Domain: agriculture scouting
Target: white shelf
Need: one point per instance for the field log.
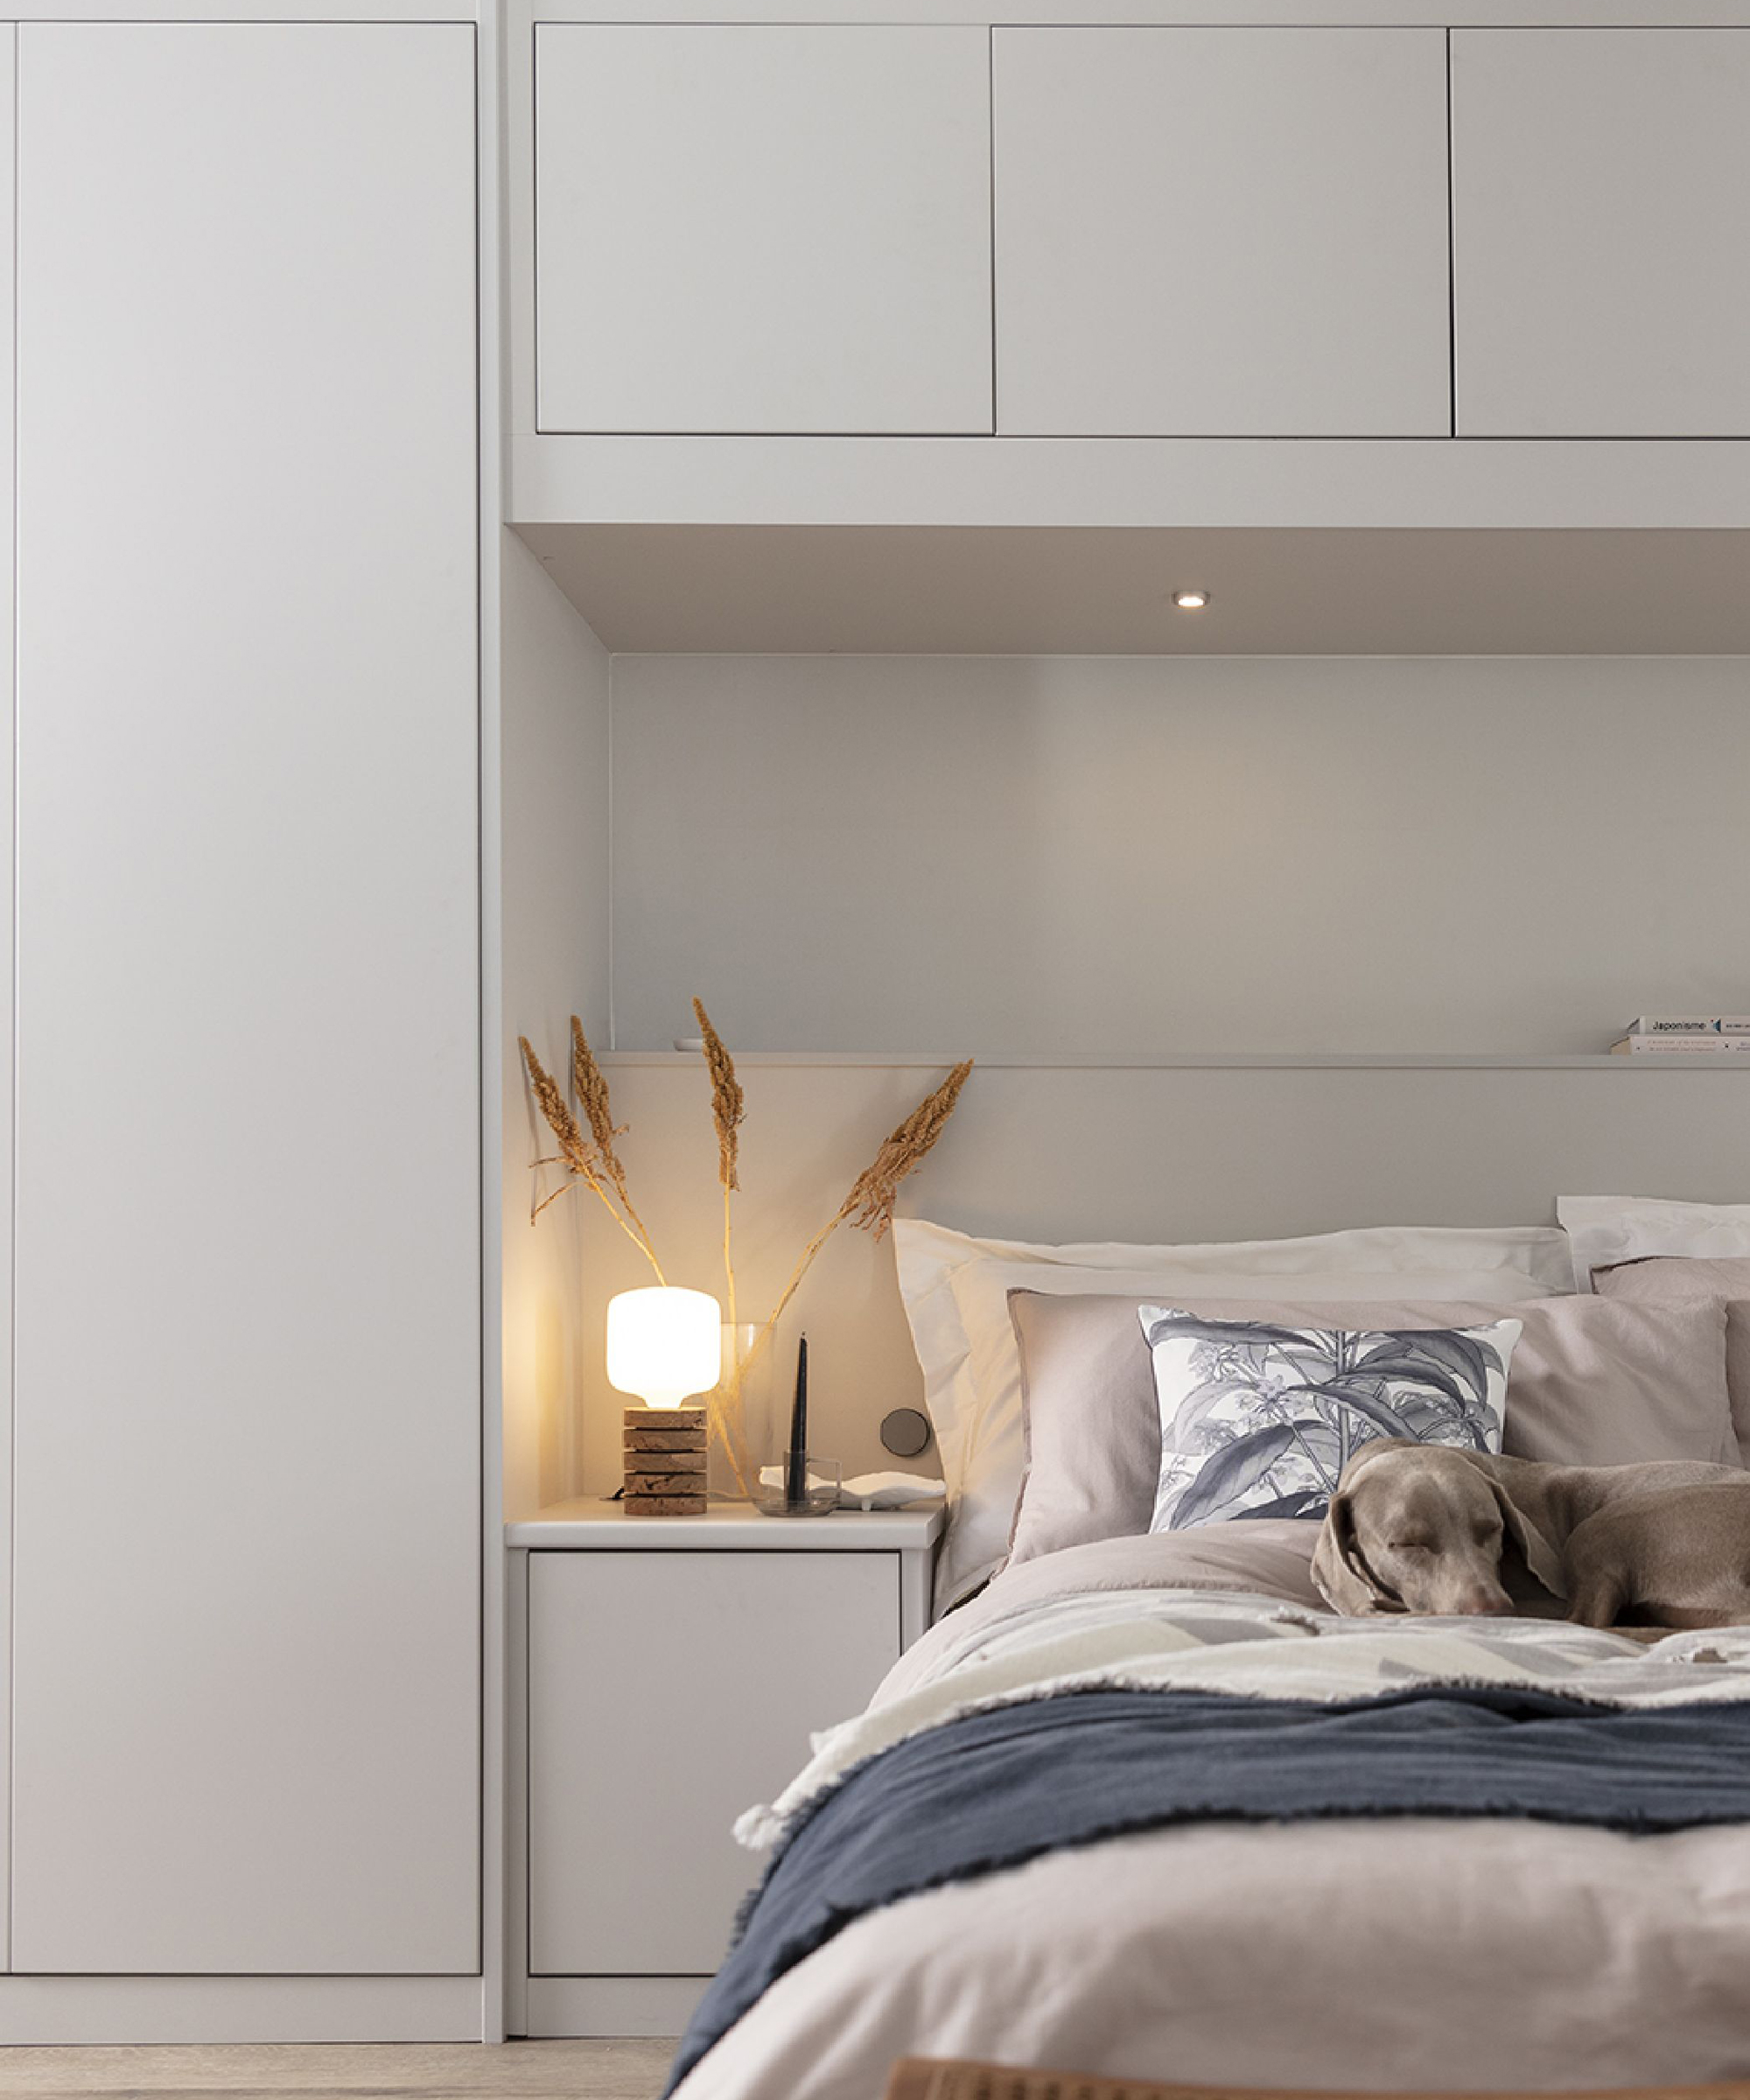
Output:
(1199, 1061)
(588, 1521)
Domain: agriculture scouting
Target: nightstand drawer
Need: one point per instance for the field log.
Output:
(667, 1693)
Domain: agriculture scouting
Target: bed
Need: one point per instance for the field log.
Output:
(1385, 1951)
(1144, 1804)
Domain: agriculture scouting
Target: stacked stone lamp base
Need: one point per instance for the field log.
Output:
(665, 1462)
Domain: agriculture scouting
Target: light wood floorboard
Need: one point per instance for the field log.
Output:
(520, 2070)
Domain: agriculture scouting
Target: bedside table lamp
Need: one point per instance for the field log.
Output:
(664, 1345)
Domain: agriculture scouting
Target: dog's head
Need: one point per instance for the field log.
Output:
(1423, 1528)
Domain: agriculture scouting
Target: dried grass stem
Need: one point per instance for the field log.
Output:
(728, 1109)
(727, 1105)
(870, 1205)
(591, 1160)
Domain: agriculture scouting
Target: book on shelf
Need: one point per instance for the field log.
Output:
(1700, 1043)
(1689, 1023)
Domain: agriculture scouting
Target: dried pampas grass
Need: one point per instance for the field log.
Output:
(869, 1207)
(591, 1086)
(727, 1109)
(728, 1415)
(593, 1160)
(589, 1152)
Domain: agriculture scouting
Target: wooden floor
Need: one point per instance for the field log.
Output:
(521, 2071)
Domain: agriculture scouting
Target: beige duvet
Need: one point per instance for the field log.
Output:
(1401, 1953)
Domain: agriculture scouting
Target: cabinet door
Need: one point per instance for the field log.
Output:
(1601, 261)
(248, 1344)
(8, 641)
(667, 1693)
(1221, 232)
(747, 228)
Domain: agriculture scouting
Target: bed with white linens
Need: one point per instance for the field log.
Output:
(1140, 1803)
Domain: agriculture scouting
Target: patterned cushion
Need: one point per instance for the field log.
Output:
(1258, 1420)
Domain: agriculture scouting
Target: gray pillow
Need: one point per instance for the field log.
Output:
(1680, 1279)
(1594, 1381)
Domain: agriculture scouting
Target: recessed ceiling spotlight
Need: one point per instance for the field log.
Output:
(1190, 601)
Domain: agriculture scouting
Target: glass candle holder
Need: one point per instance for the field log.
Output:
(820, 1478)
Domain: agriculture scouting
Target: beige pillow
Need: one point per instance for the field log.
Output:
(1674, 1279)
(1593, 1382)
(956, 1295)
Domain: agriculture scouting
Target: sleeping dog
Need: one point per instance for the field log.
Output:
(1426, 1528)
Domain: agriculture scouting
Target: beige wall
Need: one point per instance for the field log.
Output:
(1014, 856)
(1146, 1154)
(1052, 855)
(554, 756)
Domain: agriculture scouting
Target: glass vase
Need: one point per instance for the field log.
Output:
(745, 1406)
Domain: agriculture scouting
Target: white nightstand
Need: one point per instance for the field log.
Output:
(665, 1673)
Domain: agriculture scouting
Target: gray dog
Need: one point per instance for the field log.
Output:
(1426, 1528)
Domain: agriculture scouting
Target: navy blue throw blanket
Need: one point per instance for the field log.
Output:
(995, 1789)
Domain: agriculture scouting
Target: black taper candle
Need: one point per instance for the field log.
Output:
(796, 1460)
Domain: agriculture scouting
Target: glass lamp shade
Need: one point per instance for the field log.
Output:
(663, 1344)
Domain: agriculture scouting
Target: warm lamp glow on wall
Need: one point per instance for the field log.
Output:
(663, 1344)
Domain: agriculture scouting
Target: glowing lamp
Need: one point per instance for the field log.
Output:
(663, 1344)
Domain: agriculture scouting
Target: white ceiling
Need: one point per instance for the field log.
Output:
(1088, 591)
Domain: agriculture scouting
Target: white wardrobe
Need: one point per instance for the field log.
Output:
(290, 754)
(246, 1610)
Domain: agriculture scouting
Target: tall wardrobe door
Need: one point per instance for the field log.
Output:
(9, 48)
(248, 1349)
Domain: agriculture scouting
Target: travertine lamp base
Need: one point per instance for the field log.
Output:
(665, 1462)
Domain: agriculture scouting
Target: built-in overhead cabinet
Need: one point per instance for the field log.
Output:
(1221, 232)
(1092, 232)
(1602, 270)
(759, 229)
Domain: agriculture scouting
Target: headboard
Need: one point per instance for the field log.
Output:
(1174, 1150)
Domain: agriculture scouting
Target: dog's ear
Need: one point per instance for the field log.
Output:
(1341, 1573)
(1543, 1559)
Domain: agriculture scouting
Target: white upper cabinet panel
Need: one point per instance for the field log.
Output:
(248, 1343)
(1221, 233)
(746, 228)
(1600, 202)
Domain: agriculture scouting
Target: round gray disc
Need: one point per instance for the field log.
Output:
(905, 1433)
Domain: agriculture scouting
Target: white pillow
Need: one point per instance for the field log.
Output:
(957, 1294)
(1604, 1230)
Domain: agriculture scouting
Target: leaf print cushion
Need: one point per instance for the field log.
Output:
(1258, 1420)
